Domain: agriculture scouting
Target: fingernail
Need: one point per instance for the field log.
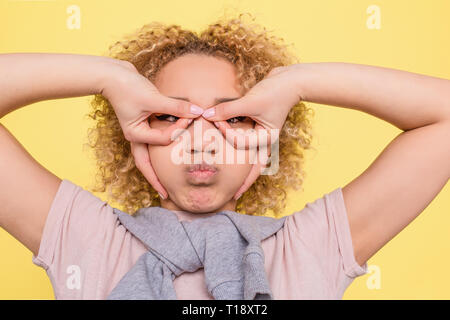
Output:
(161, 196)
(196, 109)
(209, 113)
(190, 121)
(238, 197)
(216, 124)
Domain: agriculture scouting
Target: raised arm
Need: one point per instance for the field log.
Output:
(413, 168)
(27, 189)
(405, 177)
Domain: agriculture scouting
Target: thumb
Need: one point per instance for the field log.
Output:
(226, 110)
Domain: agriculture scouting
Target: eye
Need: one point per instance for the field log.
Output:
(167, 117)
(237, 119)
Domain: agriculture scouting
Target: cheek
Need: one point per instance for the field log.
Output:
(237, 156)
(237, 171)
(242, 171)
(233, 176)
(164, 168)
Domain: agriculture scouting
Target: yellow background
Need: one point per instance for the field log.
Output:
(414, 36)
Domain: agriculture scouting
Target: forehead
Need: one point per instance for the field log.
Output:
(195, 73)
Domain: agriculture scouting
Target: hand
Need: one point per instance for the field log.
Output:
(267, 103)
(134, 98)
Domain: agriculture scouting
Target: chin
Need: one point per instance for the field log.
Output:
(201, 201)
(203, 207)
(201, 210)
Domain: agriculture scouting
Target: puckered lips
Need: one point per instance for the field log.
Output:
(201, 172)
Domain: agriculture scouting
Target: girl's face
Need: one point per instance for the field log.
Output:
(204, 81)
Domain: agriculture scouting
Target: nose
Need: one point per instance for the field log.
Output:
(204, 136)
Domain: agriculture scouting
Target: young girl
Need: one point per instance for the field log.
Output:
(231, 76)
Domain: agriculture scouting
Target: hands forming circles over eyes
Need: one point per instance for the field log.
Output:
(134, 99)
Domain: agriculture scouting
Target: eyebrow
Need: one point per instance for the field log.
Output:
(216, 101)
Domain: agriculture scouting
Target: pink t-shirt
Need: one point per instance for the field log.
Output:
(86, 251)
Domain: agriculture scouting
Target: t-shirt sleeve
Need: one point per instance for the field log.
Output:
(83, 248)
(75, 216)
(323, 227)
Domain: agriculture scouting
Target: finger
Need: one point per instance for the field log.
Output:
(226, 110)
(263, 156)
(265, 136)
(174, 131)
(175, 107)
(244, 139)
(254, 173)
(145, 134)
(143, 163)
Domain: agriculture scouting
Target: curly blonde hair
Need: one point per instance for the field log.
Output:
(254, 53)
